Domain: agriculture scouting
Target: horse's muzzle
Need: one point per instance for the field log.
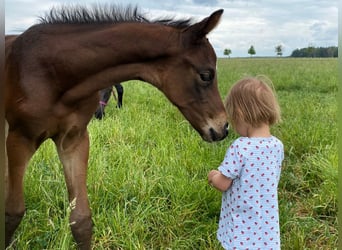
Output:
(217, 136)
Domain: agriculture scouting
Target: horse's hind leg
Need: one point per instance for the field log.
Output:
(120, 90)
(73, 150)
(19, 152)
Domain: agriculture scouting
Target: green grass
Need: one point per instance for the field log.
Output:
(147, 168)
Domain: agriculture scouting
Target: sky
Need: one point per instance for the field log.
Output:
(264, 24)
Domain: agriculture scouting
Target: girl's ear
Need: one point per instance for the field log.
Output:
(199, 30)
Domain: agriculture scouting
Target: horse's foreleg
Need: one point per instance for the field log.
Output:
(73, 150)
(19, 151)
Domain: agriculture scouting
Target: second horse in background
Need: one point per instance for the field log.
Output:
(104, 98)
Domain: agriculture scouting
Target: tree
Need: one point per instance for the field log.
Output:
(227, 52)
(251, 51)
(279, 50)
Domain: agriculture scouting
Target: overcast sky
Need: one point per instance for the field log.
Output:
(261, 23)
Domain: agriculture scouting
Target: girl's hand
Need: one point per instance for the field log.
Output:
(217, 180)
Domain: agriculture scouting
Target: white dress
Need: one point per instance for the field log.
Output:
(249, 216)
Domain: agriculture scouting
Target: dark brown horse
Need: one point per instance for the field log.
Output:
(55, 69)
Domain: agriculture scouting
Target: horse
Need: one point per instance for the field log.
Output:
(55, 69)
(105, 94)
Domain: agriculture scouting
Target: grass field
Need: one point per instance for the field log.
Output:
(148, 168)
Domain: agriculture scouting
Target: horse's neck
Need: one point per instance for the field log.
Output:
(137, 42)
(116, 45)
(115, 54)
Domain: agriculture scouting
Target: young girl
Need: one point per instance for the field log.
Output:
(249, 174)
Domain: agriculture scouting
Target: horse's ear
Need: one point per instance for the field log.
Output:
(199, 30)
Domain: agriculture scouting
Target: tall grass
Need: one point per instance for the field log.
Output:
(147, 168)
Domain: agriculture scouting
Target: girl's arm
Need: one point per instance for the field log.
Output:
(219, 181)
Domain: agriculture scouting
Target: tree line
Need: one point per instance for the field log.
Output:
(310, 51)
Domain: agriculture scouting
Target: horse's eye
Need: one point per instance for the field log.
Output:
(207, 76)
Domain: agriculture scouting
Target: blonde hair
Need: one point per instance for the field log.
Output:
(253, 101)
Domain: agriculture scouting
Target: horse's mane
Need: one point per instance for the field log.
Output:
(104, 14)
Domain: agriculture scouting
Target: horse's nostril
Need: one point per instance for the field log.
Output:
(212, 134)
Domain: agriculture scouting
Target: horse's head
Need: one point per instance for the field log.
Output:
(190, 82)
